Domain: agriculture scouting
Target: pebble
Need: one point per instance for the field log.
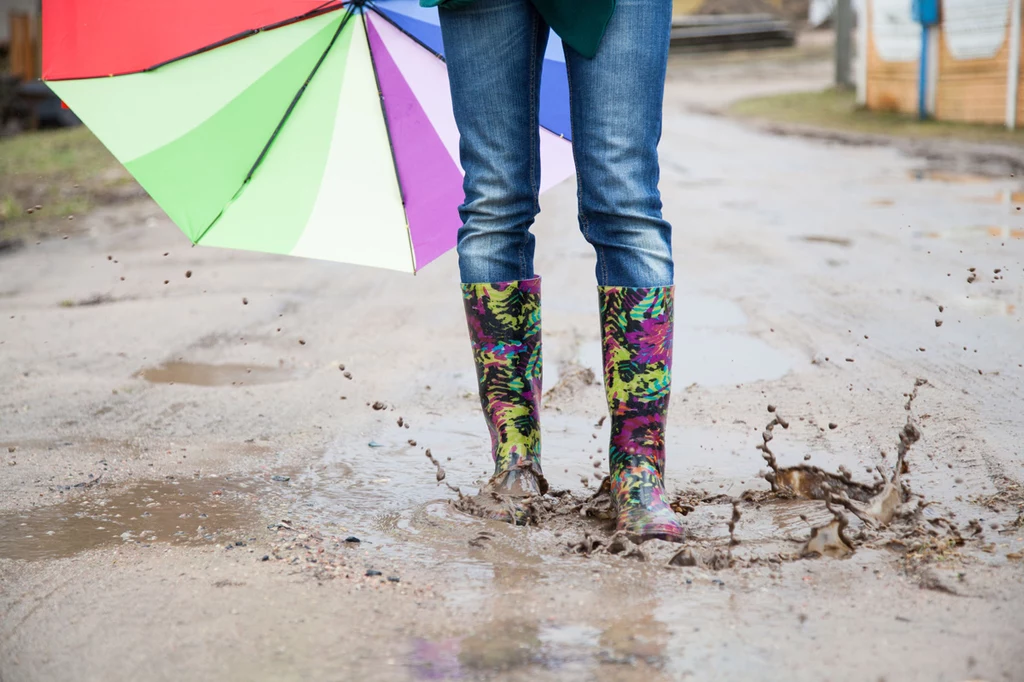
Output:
(280, 478)
(371, 573)
(188, 273)
(265, 557)
(833, 425)
(352, 539)
(938, 323)
(245, 301)
(393, 579)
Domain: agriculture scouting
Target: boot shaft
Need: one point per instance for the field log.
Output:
(505, 331)
(636, 332)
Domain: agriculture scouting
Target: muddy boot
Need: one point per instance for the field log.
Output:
(504, 327)
(636, 329)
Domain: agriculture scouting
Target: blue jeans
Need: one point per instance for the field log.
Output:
(494, 50)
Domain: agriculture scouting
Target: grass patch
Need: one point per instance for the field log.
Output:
(837, 110)
(46, 176)
(74, 152)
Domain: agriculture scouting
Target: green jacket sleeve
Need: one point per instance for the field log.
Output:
(448, 4)
(580, 27)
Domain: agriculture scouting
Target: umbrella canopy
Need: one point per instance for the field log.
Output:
(283, 126)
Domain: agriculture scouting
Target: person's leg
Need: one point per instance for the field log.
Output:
(616, 100)
(494, 50)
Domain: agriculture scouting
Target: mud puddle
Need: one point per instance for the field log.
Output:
(531, 648)
(188, 511)
(395, 498)
(948, 177)
(200, 374)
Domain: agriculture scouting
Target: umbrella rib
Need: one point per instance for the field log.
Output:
(284, 119)
(391, 144)
(426, 47)
(319, 9)
(391, 21)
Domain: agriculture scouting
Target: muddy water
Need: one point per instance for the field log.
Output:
(190, 511)
(199, 374)
(529, 648)
(972, 232)
(540, 611)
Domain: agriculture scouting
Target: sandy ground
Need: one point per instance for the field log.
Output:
(238, 463)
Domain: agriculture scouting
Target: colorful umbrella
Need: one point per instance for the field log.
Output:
(296, 127)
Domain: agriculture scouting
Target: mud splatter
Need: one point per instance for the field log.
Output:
(619, 544)
(440, 469)
(830, 539)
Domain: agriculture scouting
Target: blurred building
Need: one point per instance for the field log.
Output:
(699, 25)
(968, 66)
(19, 38)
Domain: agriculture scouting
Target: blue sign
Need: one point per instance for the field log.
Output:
(925, 12)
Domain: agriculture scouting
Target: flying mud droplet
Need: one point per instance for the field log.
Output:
(938, 323)
(188, 274)
(733, 520)
(245, 301)
(440, 469)
(379, 406)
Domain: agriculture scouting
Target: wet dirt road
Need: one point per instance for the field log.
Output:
(225, 475)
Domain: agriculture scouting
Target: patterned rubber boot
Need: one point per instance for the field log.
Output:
(636, 329)
(504, 328)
